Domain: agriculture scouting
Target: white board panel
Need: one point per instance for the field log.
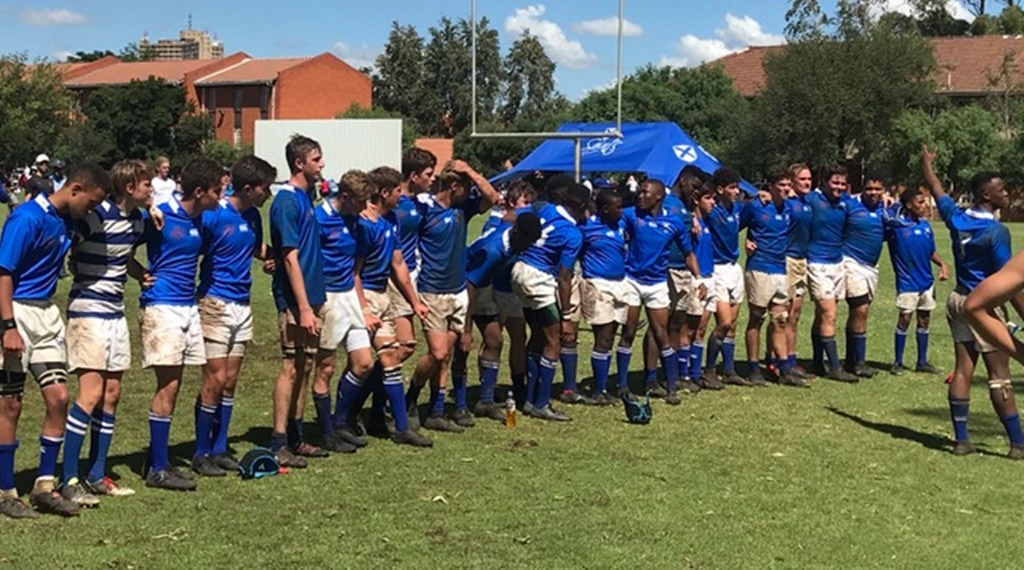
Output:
(346, 143)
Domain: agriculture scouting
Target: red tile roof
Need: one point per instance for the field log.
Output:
(252, 71)
(124, 72)
(964, 64)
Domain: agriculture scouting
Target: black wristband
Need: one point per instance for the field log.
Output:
(9, 324)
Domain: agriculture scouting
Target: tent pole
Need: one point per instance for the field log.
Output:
(579, 157)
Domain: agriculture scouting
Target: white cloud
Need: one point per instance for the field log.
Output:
(63, 55)
(955, 8)
(360, 57)
(51, 17)
(738, 33)
(560, 48)
(609, 27)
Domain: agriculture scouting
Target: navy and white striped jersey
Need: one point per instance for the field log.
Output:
(102, 244)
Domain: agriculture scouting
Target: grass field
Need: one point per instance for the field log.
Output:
(835, 476)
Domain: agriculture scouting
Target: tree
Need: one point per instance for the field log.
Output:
(35, 110)
(529, 79)
(132, 52)
(934, 19)
(87, 56)
(975, 7)
(398, 81)
(834, 93)
(141, 118)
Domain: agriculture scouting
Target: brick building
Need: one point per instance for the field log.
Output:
(237, 90)
(965, 65)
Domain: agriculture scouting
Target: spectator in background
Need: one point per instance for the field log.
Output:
(58, 177)
(40, 182)
(163, 185)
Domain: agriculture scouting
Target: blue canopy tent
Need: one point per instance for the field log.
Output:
(659, 150)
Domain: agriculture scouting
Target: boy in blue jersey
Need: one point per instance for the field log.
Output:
(604, 291)
(825, 275)
(172, 335)
(863, 235)
(912, 251)
(342, 317)
(487, 313)
(800, 216)
(768, 225)
(232, 236)
(981, 247)
(684, 197)
(701, 301)
(99, 348)
(651, 229)
(379, 263)
(298, 288)
(486, 258)
(724, 223)
(542, 278)
(444, 215)
(35, 239)
(418, 175)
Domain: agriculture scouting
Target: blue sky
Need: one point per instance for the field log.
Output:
(579, 35)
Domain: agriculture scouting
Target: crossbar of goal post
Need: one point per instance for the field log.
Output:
(577, 137)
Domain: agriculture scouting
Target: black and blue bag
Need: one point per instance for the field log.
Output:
(638, 411)
(258, 463)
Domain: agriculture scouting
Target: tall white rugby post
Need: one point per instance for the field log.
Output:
(577, 136)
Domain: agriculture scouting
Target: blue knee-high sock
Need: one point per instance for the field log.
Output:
(49, 451)
(818, 348)
(396, 397)
(101, 436)
(488, 379)
(958, 412)
(714, 349)
(372, 386)
(1012, 425)
(349, 389)
(651, 377)
(860, 345)
(851, 348)
(545, 382)
(600, 363)
(74, 436)
(532, 372)
(379, 405)
(828, 343)
(460, 389)
(159, 436)
(437, 400)
(670, 364)
(900, 345)
(519, 389)
(294, 432)
(622, 357)
(412, 395)
(922, 347)
(569, 359)
(324, 419)
(729, 355)
(204, 428)
(683, 362)
(696, 354)
(791, 360)
(784, 365)
(7, 465)
(220, 432)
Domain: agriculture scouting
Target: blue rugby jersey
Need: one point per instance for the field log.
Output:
(827, 222)
(650, 235)
(672, 203)
(800, 218)
(704, 250)
(376, 243)
(407, 218)
(724, 224)
(864, 232)
(488, 254)
(293, 225)
(173, 255)
(230, 239)
(603, 255)
(339, 247)
(559, 243)
(443, 244)
(103, 243)
(493, 218)
(911, 246)
(981, 245)
(34, 241)
(768, 226)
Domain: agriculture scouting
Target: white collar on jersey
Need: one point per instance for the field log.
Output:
(174, 204)
(980, 214)
(565, 213)
(328, 208)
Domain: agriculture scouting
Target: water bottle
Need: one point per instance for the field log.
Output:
(510, 411)
(1014, 328)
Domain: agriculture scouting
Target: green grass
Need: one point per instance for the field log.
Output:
(838, 475)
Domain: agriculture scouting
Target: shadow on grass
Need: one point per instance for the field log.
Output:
(983, 421)
(928, 440)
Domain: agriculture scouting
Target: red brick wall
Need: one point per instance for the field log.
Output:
(220, 102)
(321, 88)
